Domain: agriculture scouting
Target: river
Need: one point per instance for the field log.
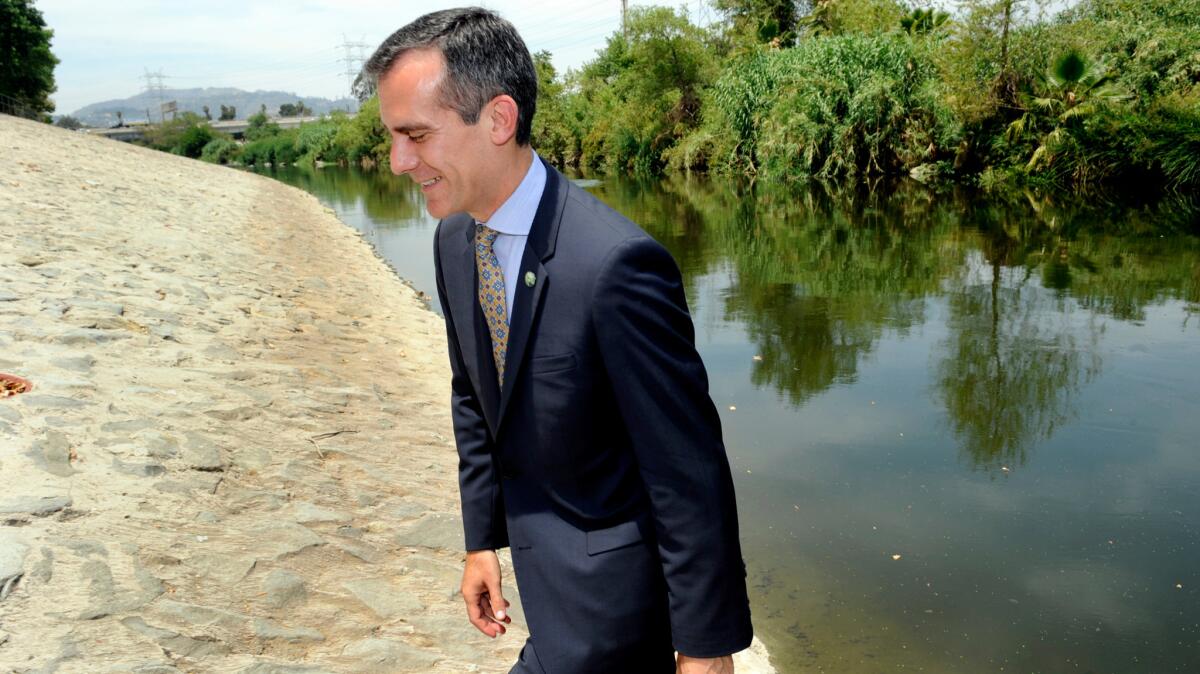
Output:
(963, 427)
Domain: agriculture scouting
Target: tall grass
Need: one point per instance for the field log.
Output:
(830, 107)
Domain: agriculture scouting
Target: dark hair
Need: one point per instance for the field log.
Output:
(485, 57)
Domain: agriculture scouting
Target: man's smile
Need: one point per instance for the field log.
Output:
(426, 184)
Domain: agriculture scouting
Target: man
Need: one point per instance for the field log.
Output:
(586, 437)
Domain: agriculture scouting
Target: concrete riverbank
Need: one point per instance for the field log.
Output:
(237, 455)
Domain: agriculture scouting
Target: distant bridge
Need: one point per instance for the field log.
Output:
(234, 127)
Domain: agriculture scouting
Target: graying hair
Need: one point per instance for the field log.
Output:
(485, 57)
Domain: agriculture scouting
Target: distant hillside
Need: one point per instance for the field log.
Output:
(193, 100)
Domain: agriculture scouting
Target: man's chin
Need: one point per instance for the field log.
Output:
(438, 211)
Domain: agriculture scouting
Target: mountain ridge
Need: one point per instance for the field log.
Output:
(135, 108)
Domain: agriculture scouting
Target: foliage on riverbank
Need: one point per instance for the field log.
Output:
(1104, 93)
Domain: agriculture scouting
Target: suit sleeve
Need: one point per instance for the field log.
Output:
(647, 341)
(479, 484)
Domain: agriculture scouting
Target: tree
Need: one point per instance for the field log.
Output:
(1071, 90)
(68, 122)
(228, 113)
(260, 127)
(298, 109)
(207, 114)
(552, 133)
(762, 21)
(26, 63)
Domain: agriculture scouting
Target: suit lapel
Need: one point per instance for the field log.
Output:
(539, 247)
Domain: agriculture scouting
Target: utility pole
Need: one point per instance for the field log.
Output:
(154, 83)
(354, 59)
(624, 23)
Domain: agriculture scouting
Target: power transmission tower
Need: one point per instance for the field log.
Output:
(154, 84)
(354, 59)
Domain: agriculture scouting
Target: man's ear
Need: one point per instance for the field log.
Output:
(502, 114)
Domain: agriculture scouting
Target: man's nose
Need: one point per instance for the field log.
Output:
(403, 158)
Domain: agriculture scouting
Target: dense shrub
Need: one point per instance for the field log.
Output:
(830, 107)
(220, 151)
(193, 140)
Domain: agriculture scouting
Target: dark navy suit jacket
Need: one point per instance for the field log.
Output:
(600, 459)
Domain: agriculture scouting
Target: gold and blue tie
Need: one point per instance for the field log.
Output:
(492, 294)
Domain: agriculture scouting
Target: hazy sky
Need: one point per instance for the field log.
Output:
(106, 47)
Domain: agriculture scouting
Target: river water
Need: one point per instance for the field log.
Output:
(964, 429)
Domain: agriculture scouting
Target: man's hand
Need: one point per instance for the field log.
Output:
(687, 665)
(481, 590)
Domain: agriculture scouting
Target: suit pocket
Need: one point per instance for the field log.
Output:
(620, 536)
(547, 364)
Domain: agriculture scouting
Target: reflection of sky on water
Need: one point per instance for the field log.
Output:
(1057, 548)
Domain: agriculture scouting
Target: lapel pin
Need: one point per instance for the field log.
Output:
(530, 279)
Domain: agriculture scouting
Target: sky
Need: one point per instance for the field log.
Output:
(106, 48)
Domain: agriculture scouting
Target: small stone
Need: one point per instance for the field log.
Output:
(222, 567)
(195, 482)
(387, 655)
(306, 513)
(433, 531)
(12, 561)
(384, 598)
(201, 454)
(128, 426)
(283, 588)
(53, 454)
(83, 336)
(82, 363)
(139, 469)
(97, 306)
(199, 616)
(284, 540)
(251, 458)
(83, 547)
(158, 445)
(222, 352)
(265, 629)
(38, 506)
(174, 642)
(43, 570)
(242, 413)
(52, 402)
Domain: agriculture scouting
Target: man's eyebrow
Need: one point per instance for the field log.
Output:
(400, 128)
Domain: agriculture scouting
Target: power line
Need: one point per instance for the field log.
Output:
(356, 56)
(154, 84)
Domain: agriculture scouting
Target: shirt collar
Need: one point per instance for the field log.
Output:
(515, 215)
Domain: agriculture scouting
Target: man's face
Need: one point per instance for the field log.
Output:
(430, 142)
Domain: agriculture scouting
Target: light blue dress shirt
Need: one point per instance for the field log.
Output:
(513, 220)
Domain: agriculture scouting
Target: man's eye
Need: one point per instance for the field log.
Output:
(417, 139)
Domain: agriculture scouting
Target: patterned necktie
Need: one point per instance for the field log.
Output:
(492, 294)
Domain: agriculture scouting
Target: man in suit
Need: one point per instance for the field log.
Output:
(586, 436)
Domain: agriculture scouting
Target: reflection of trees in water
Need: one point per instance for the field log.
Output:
(822, 275)
(819, 275)
(1013, 363)
(807, 343)
(387, 199)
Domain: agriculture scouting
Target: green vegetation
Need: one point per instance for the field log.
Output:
(26, 63)
(1000, 93)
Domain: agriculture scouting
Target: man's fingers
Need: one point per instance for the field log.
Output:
(485, 606)
(498, 602)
